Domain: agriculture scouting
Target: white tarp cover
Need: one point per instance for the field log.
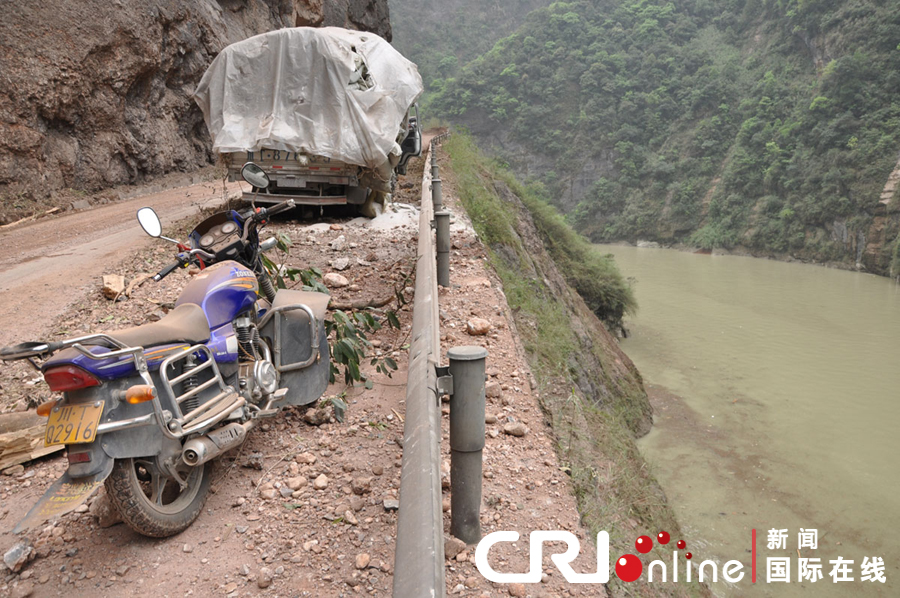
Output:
(321, 91)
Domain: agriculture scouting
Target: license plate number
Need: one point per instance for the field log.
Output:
(73, 424)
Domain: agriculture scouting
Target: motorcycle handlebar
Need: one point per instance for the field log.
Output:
(168, 270)
(282, 207)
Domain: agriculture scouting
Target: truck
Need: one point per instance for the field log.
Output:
(328, 113)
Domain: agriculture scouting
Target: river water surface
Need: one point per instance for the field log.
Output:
(776, 391)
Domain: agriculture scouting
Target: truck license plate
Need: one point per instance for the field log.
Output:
(73, 424)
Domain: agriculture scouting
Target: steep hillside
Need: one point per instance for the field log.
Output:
(97, 94)
(771, 127)
(590, 392)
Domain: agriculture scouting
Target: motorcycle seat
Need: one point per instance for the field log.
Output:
(184, 324)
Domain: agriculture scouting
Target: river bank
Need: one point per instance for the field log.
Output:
(741, 251)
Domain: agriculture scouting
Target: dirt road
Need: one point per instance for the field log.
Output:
(48, 265)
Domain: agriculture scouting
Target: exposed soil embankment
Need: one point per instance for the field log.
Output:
(97, 94)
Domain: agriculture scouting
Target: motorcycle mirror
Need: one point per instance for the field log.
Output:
(255, 175)
(149, 221)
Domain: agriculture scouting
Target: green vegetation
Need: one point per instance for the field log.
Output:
(591, 273)
(758, 123)
(595, 402)
(441, 36)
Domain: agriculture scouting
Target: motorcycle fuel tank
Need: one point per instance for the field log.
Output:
(223, 291)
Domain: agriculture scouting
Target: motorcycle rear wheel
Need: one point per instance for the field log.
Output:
(153, 504)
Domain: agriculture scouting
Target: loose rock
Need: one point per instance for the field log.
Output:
(321, 482)
(307, 458)
(23, 590)
(335, 281)
(18, 556)
(267, 491)
(106, 513)
(361, 486)
(264, 578)
(362, 560)
(517, 590)
(297, 483)
(453, 547)
(339, 244)
(341, 264)
(316, 417)
(14, 470)
(515, 429)
(492, 389)
(478, 327)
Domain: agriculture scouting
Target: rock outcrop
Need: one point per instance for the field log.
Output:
(96, 94)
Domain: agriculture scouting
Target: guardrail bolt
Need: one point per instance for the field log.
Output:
(467, 365)
(442, 220)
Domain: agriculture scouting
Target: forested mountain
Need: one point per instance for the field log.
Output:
(441, 36)
(769, 125)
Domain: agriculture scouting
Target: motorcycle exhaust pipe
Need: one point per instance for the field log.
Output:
(198, 451)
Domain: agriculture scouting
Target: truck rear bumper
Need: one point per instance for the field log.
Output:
(300, 200)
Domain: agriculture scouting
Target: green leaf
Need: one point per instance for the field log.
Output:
(340, 408)
(393, 320)
(353, 367)
(284, 241)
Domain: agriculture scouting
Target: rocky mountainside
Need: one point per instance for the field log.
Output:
(97, 94)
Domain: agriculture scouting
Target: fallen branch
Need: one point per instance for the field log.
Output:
(138, 281)
(29, 218)
(360, 303)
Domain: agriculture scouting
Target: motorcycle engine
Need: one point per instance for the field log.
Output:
(257, 377)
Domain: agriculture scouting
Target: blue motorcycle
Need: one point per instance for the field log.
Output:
(145, 410)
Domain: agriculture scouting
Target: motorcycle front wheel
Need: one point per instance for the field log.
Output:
(152, 503)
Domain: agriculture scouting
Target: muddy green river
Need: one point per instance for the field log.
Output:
(776, 394)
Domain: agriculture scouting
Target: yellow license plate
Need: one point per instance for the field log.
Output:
(73, 424)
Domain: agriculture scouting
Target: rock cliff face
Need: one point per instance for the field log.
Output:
(98, 93)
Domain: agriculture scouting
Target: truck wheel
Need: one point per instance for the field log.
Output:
(154, 504)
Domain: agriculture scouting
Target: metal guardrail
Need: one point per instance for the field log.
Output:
(419, 556)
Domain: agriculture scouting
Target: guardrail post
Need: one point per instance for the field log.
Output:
(443, 247)
(467, 365)
(437, 195)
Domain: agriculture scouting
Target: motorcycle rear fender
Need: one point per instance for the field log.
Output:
(64, 496)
